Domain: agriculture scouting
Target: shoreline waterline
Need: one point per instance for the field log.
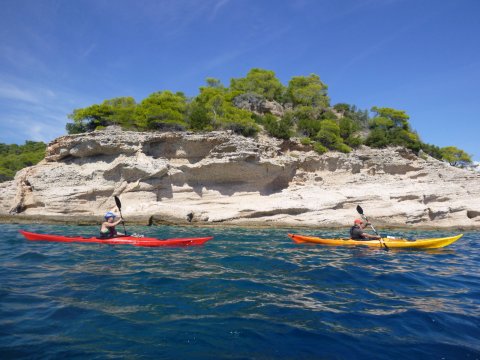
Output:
(146, 221)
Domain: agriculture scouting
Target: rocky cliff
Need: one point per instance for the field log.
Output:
(220, 177)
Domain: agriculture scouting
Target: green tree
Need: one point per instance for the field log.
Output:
(348, 129)
(402, 137)
(432, 150)
(382, 123)
(391, 127)
(327, 114)
(279, 128)
(307, 90)
(213, 109)
(117, 111)
(259, 81)
(198, 116)
(307, 119)
(89, 118)
(15, 157)
(455, 156)
(220, 107)
(240, 122)
(329, 136)
(319, 148)
(377, 138)
(342, 147)
(342, 108)
(208, 108)
(123, 111)
(215, 83)
(359, 117)
(398, 117)
(163, 110)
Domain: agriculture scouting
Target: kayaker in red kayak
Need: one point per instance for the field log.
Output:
(357, 233)
(108, 227)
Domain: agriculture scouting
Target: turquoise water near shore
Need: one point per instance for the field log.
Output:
(249, 293)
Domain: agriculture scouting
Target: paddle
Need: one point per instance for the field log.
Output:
(360, 211)
(119, 206)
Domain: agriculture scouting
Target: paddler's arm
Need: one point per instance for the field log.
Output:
(115, 223)
(366, 235)
(374, 237)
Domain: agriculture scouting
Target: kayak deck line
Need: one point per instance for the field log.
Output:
(121, 240)
(433, 243)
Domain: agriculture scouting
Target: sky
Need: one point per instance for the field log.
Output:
(420, 56)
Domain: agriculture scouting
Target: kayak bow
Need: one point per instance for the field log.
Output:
(434, 243)
(121, 240)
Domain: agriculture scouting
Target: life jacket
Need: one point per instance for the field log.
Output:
(111, 233)
(356, 233)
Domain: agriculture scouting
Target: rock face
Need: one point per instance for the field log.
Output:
(258, 105)
(220, 177)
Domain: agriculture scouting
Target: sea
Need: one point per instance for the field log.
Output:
(246, 294)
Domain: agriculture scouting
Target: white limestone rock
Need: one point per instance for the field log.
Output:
(220, 177)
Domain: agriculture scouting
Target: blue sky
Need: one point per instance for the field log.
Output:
(421, 56)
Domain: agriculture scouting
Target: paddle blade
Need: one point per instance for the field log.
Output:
(117, 201)
(359, 210)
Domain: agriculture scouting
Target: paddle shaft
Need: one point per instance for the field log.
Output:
(382, 242)
(119, 206)
(366, 219)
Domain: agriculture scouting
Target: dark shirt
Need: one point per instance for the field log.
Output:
(356, 233)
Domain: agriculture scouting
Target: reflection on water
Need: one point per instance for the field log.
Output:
(248, 293)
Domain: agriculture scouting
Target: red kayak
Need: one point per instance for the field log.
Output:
(121, 240)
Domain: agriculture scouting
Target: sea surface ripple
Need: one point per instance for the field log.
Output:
(249, 293)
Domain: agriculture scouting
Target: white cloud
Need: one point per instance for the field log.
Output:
(31, 111)
(217, 7)
(18, 127)
(12, 92)
(88, 51)
(21, 60)
(25, 91)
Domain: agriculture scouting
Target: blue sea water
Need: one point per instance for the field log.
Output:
(247, 294)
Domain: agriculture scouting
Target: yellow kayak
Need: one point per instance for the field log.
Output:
(389, 242)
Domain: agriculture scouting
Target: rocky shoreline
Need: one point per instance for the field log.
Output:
(96, 221)
(222, 179)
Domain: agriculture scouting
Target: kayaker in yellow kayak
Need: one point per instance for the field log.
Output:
(108, 227)
(357, 233)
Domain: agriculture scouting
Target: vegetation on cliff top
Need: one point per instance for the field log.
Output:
(15, 157)
(260, 101)
(257, 101)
